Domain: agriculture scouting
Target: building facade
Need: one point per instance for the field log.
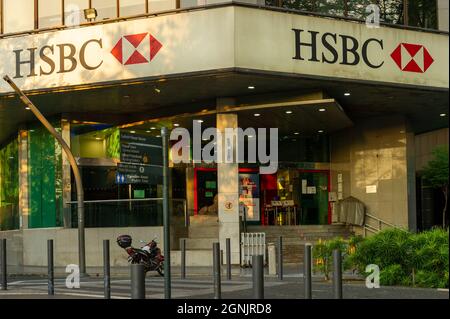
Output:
(358, 107)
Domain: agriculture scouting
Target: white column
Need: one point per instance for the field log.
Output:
(228, 187)
(24, 205)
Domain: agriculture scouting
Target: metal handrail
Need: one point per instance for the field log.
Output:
(380, 221)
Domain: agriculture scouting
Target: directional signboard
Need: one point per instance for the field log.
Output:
(140, 149)
(138, 174)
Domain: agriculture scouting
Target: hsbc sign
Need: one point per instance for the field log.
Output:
(346, 50)
(66, 57)
(225, 38)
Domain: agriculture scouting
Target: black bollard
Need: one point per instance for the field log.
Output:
(216, 271)
(106, 270)
(137, 281)
(228, 246)
(337, 274)
(183, 258)
(307, 272)
(3, 262)
(50, 266)
(280, 257)
(258, 276)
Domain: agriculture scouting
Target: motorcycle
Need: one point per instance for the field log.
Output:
(149, 255)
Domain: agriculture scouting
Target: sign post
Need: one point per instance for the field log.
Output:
(166, 215)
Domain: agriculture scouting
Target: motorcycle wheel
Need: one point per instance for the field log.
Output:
(160, 270)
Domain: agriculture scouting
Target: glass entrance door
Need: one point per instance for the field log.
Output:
(313, 199)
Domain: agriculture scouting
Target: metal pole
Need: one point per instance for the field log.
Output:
(106, 270)
(216, 271)
(166, 216)
(183, 258)
(337, 274)
(280, 257)
(307, 272)
(228, 247)
(51, 273)
(75, 169)
(137, 281)
(4, 267)
(258, 276)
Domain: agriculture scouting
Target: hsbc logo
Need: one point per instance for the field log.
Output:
(333, 48)
(136, 49)
(412, 57)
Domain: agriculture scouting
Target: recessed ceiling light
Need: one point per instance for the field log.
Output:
(288, 112)
(27, 108)
(158, 135)
(256, 114)
(322, 110)
(176, 124)
(320, 131)
(199, 121)
(98, 138)
(251, 87)
(147, 131)
(153, 128)
(132, 132)
(296, 133)
(157, 90)
(442, 114)
(347, 94)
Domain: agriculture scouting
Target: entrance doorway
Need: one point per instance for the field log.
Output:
(313, 197)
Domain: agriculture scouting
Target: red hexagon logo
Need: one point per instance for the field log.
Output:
(136, 48)
(412, 57)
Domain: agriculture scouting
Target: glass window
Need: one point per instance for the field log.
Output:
(161, 5)
(49, 13)
(18, 15)
(106, 9)
(131, 7)
(73, 12)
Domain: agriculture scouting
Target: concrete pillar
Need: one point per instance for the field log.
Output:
(411, 178)
(24, 205)
(66, 178)
(228, 184)
(442, 12)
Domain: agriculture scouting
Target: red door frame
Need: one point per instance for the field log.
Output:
(326, 172)
(212, 169)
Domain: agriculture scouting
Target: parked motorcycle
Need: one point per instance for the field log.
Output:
(149, 255)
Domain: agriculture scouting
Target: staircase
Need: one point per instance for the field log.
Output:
(203, 232)
(295, 237)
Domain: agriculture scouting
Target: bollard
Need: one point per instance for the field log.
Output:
(228, 246)
(307, 271)
(137, 281)
(280, 257)
(106, 270)
(216, 271)
(337, 274)
(51, 273)
(3, 262)
(258, 276)
(183, 258)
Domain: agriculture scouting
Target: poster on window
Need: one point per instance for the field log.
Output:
(249, 195)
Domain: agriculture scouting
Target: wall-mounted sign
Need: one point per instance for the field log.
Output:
(139, 174)
(140, 149)
(249, 195)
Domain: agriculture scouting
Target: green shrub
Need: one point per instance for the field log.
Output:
(404, 258)
(392, 275)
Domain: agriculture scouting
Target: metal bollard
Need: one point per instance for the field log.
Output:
(183, 258)
(258, 276)
(50, 266)
(337, 274)
(106, 270)
(280, 257)
(4, 267)
(228, 246)
(307, 272)
(216, 271)
(137, 281)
